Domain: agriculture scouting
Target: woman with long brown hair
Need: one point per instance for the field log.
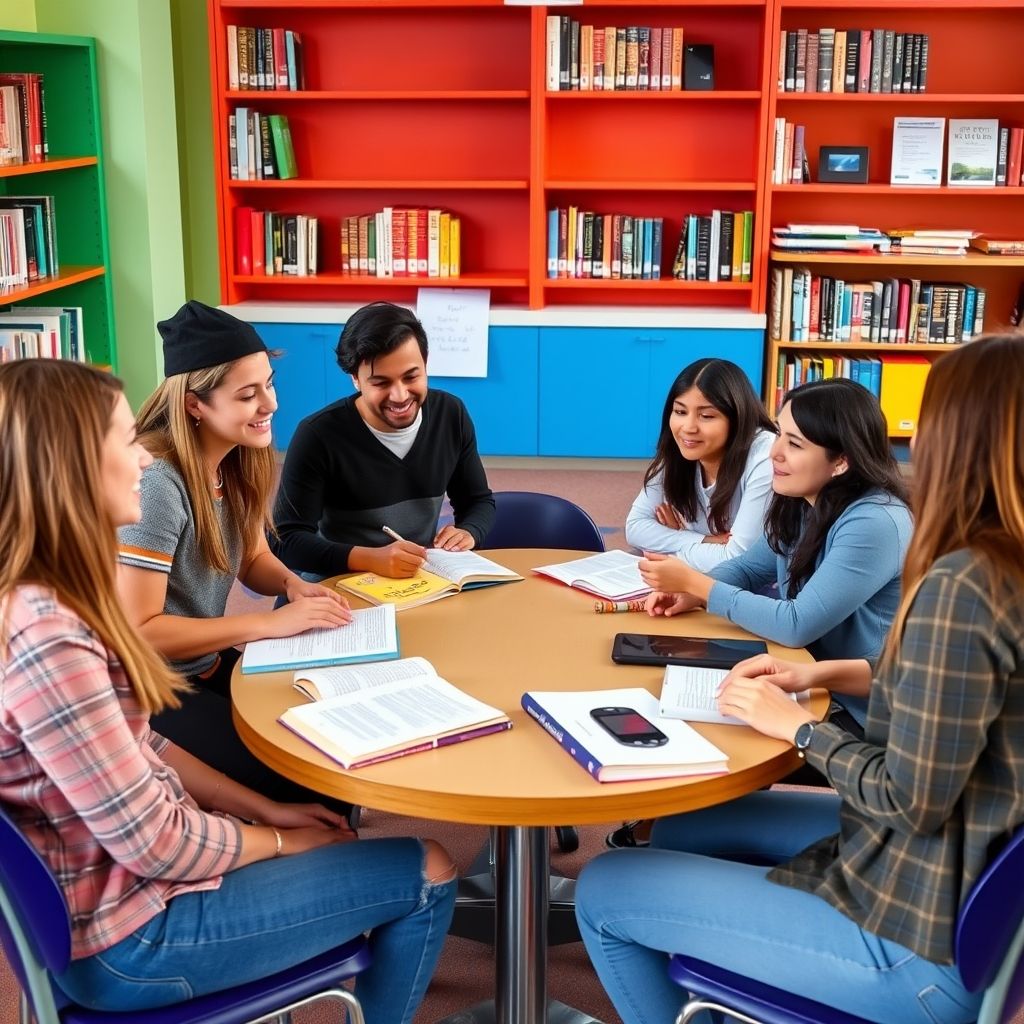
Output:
(860, 910)
(171, 892)
(205, 516)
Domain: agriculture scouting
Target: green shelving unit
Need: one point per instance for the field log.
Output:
(73, 174)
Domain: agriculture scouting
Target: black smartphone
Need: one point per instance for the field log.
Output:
(646, 649)
(629, 726)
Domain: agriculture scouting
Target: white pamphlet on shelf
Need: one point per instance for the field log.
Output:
(917, 144)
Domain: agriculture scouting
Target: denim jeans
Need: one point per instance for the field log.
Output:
(276, 913)
(683, 896)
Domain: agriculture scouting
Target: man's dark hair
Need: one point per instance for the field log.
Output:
(375, 330)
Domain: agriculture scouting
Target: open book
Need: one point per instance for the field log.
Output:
(371, 719)
(371, 636)
(324, 683)
(690, 692)
(443, 573)
(612, 574)
(566, 717)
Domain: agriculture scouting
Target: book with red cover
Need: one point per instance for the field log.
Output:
(243, 239)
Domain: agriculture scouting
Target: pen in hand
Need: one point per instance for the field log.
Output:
(391, 533)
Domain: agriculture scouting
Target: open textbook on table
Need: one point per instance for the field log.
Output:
(379, 712)
(611, 574)
(443, 574)
(370, 636)
(690, 692)
(565, 716)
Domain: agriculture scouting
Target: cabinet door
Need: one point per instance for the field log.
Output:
(502, 405)
(305, 374)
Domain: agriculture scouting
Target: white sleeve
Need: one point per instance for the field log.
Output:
(642, 527)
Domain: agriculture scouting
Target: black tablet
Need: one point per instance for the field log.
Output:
(645, 649)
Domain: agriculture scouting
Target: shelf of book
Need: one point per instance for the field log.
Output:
(469, 111)
(72, 184)
(352, 281)
(972, 71)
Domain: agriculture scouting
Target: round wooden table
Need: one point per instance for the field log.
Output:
(495, 643)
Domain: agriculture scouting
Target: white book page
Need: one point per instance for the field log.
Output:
(458, 565)
(690, 692)
(333, 682)
(392, 716)
(611, 573)
(371, 631)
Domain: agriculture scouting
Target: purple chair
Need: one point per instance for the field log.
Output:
(529, 519)
(989, 945)
(35, 932)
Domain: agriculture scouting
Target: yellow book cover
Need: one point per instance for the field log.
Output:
(570, 250)
(737, 246)
(455, 247)
(433, 243)
(444, 239)
(677, 58)
(903, 379)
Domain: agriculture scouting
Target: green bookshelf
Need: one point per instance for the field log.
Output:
(73, 174)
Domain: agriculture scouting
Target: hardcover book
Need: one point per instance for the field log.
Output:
(973, 152)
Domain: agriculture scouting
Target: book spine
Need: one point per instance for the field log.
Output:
(442, 741)
(557, 732)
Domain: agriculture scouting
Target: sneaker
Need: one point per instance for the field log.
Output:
(624, 837)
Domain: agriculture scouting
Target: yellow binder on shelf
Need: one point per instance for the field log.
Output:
(903, 379)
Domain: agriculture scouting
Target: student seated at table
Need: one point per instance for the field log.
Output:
(705, 493)
(836, 533)
(384, 457)
(863, 918)
(170, 894)
(205, 502)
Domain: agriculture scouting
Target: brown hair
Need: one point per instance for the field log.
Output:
(968, 489)
(54, 528)
(248, 473)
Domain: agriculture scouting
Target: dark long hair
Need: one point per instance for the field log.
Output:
(845, 419)
(727, 388)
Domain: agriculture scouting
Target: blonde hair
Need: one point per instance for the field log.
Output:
(167, 431)
(54, 418)
(968, 488)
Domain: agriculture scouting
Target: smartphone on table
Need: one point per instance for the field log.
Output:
(648, 649)
(628, 726)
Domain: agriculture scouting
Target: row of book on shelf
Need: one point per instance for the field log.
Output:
(585, 244)
(852, 60)
(264, 58)
(896, 241)
(269, 243)
(402, 242)
(28, 241)
(22, 119)
(50, 332)
(260, 146)
(588, 58)
(813, 308)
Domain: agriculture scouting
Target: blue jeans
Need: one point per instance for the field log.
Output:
(636, 906)
(274, 914)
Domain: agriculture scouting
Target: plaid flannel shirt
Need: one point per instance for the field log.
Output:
(937, 785)
(80, 774)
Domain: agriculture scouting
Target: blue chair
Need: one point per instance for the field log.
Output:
(529, 519)
(35, 933)
(989, 944)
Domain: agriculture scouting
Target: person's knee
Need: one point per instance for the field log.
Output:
(438, 866)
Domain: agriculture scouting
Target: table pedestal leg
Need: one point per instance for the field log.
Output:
(521, 941)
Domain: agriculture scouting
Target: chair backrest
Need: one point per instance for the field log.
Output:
(35, 927)
(990, 916)
(528, 519)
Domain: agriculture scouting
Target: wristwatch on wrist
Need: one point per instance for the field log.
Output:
(802, 739)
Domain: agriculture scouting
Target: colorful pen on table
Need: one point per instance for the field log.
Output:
(637, 605)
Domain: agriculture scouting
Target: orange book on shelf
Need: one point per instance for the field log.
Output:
(399, 242)
(677, 59)
(243, 240)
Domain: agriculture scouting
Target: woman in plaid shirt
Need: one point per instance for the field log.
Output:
(168, 898)
(860, 910)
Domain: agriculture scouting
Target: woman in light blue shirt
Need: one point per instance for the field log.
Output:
(706, 491)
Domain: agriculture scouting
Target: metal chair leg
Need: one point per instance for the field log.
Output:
(697, 1005)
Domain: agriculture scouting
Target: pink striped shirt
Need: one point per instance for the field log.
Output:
(81, 775)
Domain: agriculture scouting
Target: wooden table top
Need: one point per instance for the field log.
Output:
(495, 643)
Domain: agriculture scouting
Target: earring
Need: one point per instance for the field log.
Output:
(197, 421)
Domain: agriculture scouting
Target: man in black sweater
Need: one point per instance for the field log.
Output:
(384, 457)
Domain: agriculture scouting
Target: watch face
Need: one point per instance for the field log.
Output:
(803, 735)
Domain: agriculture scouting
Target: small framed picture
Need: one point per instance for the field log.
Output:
(843, 163)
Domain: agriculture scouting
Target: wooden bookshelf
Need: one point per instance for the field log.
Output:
(463, 121)
(74, 175)
(974, 70)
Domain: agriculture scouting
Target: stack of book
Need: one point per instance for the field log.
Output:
(715, 247)
(582, 243)
(940, 242)
(402, 242)
(999, 246)
(260, 146)
(790, 166)
(28, 241)
(269, 243)
(22, 119)
(830, 238)
(588, 57)
(852, 60)
(264, 58)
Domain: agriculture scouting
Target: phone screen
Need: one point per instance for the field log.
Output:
(648, 649)
(629, 726)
